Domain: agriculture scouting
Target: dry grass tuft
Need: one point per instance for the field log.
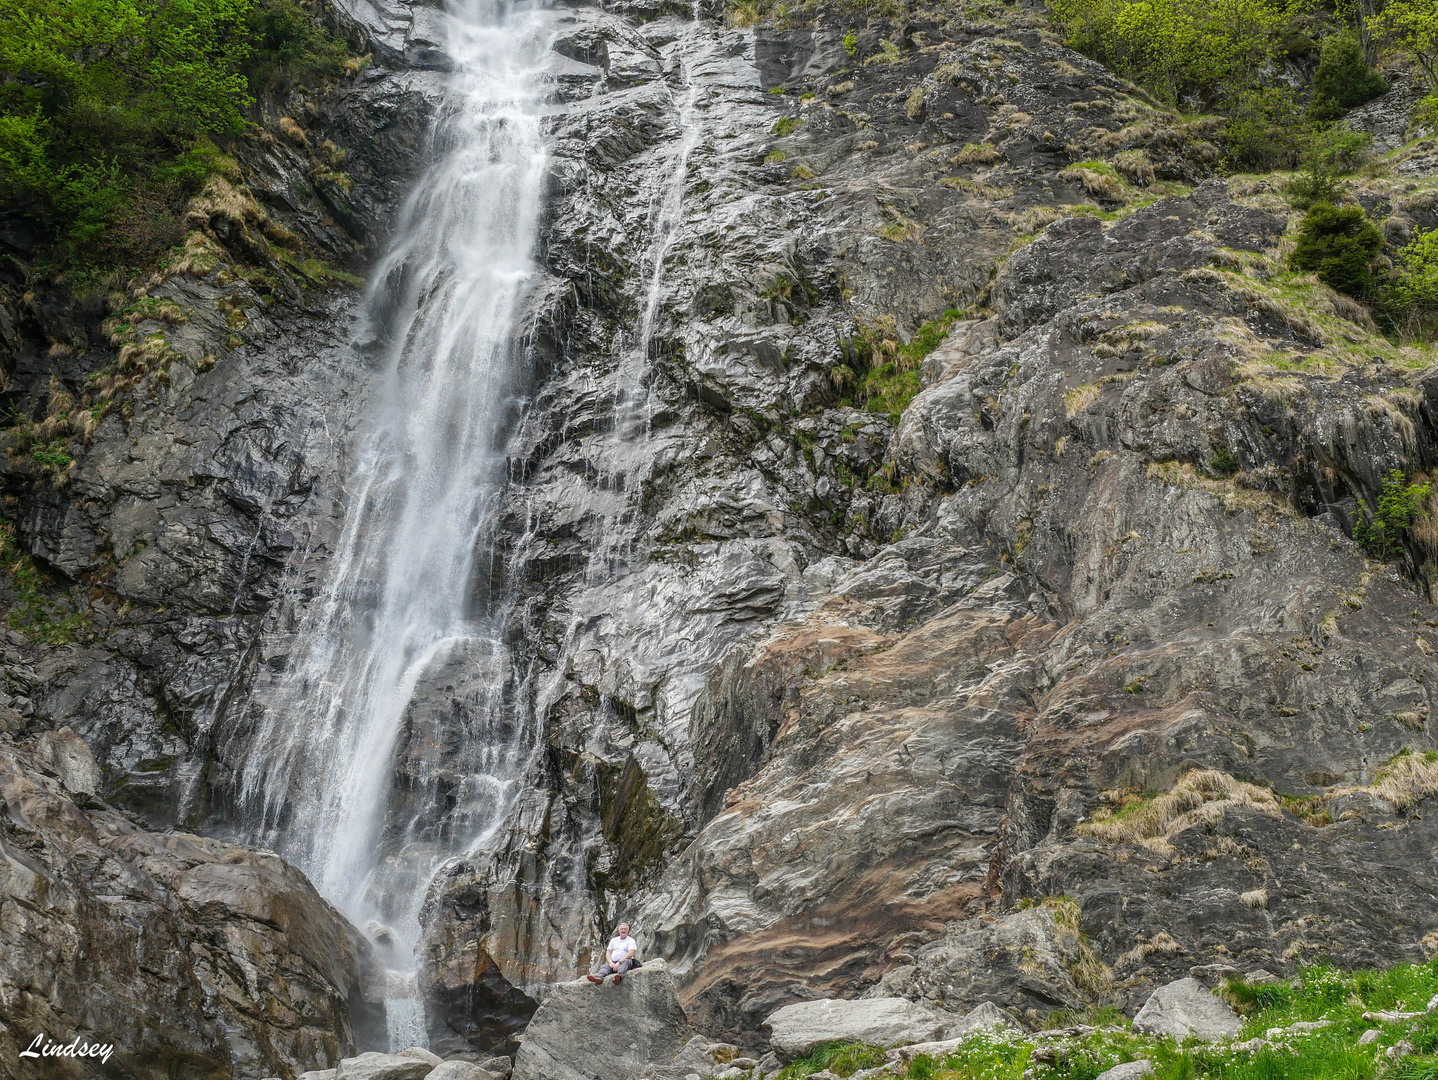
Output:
(1405, 781)
(977, 154)
(1377, 405)
(1135, 167)
(1255, 898)
(1099, 185)
(292, 131)
(1080, 398)
(1200, 797)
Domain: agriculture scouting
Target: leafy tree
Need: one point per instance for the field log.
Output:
(1413, 26)
(1399, 505)
(1411, 301)
(106, 107)
(1339, 243)
(1265, 129)
(1176, 47)
(1344, 80)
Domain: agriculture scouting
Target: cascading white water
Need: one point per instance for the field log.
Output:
(429, 466)
(625, 462)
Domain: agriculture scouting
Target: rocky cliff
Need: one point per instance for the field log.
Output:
(851, 659)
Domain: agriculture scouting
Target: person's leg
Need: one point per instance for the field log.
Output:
(604, 969)
(621, 969)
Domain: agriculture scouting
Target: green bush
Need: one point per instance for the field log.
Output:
(1410, 302)
(1264, 130)
(106, 107)
(1399, 504)
(1178, 47)
(1343, 80)
(1338, 243)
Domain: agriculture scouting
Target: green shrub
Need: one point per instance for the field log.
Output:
(1338, 243)
(106, 106)
(1343, 80)
(1264, 130)
(1178, 47)
(1399, 504)
(1410, 302)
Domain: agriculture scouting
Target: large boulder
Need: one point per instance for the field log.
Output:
(189, 955)
(608, 1032)
(795, 1030)
(1187, 1009)
(373, 1066)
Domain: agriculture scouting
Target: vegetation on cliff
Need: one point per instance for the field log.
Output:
(108, 109)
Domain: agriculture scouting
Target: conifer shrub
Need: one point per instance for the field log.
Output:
(1339, 244)
(1344, 79)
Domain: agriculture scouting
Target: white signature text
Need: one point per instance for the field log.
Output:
(44, 1046)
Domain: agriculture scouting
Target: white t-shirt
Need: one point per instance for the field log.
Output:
(619, 948)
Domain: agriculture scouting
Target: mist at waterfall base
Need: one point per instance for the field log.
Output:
(428, 469)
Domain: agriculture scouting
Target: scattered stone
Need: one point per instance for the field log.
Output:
(588, 1032)
(1129, 1070)
(1383, 1016)
(796, 1029)
(770, 1063)
(1187, 1009)
(1399, 1050)
(987, 1015)
(1433, 1003)
(499, 1065)
(317, 1074)
(1249, 1046)
(421, 1054)
(373, 1066)
(1260, 977)
(461, 1070)
(1369, 1037)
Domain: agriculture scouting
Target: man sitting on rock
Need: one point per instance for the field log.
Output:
(619, 957)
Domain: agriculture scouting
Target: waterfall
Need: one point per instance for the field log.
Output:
(429, 465)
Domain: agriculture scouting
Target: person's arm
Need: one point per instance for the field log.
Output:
(633, 948)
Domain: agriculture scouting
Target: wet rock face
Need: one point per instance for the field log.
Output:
(180, 952)
(819, 696)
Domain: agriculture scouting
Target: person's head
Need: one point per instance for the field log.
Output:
(624, 929)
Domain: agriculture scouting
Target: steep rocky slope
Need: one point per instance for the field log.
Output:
(820, 694)
(184, 955)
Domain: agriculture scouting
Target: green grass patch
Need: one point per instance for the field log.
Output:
(36, 608)
(839, 1058)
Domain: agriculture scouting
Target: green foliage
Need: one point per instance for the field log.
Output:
(1264, 129)
(888, 371)
(1411, 301)
(1399, 504)
(1343, 80)
(785, 125)
(1412, 25)
(1177, 47)
(106, 105)
(1327, 152)
(35, 608)
(851, 43)
(1339, 244)
(840, 1058)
